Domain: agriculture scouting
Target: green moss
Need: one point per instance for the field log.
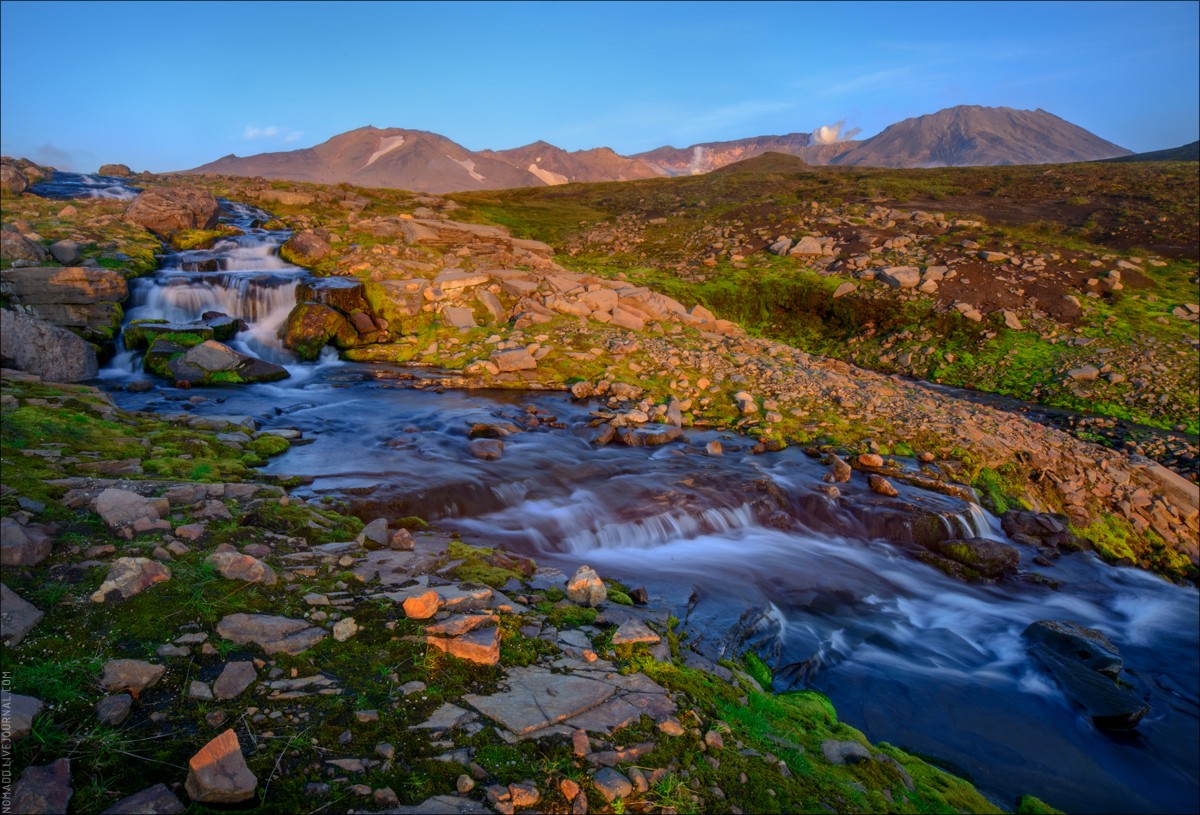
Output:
(758, 669)
(1000, 490)
(1031, 805)
(196, 239)
(268, 445)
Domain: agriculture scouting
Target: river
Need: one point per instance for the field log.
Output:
(740, 546)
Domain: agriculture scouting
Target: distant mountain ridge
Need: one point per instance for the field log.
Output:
(427, 162)
(1185, 152)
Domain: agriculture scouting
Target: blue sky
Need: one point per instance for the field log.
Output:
(166, 86)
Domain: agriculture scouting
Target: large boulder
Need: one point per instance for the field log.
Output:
(1072, 640)
(12, 180)
(129, 576)
(344, 294)
(22, 545)
(311, 326)
(305, 248)
(142, 333)
(84, 299)
(167, 210)
(209, 363)
(116, 170)
(974, 559)
(55, 354)
(14, 246)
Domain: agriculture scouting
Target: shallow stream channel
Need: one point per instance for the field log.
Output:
(743, 548)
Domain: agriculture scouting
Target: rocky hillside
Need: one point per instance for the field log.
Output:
(426, 162)
(1186, 152)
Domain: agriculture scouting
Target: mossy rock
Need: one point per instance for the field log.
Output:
(311, 326)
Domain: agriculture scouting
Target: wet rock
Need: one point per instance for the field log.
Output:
(156, 800)
(870, 460)
(218, 773)
(128, 576)
(17, 616)
(1109, 705)
(44, 790)
(114, 709)
(611, 784)
(312, 326)
(1073, 641)
(28, 343)
(132, 675)
(21, 711)
(586, 588)
(236, 566)
(974, 558)
(234, 679)
(839, 470)
(1041, 529)
(272, 634)
(882, 486)
(648, 435)
(632, 631)
(211, 363)
(304, 248)
(844, 752)
(486, 449)
(22, 545)
(167, 210)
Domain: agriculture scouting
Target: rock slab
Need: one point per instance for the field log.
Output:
(218, 773)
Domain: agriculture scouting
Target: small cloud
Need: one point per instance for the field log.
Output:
(54, 157)
(270, 132)
(832, 134)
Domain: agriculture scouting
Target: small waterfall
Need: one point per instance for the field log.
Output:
(78, 185)
(659, 529)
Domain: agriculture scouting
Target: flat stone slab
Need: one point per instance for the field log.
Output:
(273, 634)
(17, 616)
(43, 789)
(446, 717)
(130, 675)
(632, 631)
(441, 805)
(235, 678)
(537, 698)
(156, 800)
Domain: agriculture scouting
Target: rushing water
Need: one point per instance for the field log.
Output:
(742, 546)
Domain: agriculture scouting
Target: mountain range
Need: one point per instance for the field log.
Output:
(427, 162)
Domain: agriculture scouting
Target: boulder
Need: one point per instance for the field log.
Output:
(131, 675)
(1109, 705)
(806, 246)
(839, 470)
(12, 180)
(44, 790)
(311, 326)
(881, 485)
(15, 246)
(128, 576)
(142, 333)
(345, 294)
(66, 252)
(586, 588)
(973, 558)
(17, 616)
(82, 298)
(115, 170)
(167, 210)
(1084, 373)
(305, 248)
(273, 634)
(844, 752)
(422, 606)
(209, 363)
(121, 509)
(611, 784)
(22, 545)
(156, 800)
(30, 344)
(218, 774)
(1087, 646)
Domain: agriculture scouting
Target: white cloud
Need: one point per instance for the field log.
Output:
(270, 132)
